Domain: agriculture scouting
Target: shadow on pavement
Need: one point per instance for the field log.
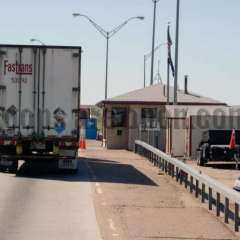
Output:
(49, 171)
(115, 172)
(90, 170)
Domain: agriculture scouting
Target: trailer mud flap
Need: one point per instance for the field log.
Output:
(68, 164)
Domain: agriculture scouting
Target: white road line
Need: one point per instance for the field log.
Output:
(115, 234)
(111, 225)
(99, 190)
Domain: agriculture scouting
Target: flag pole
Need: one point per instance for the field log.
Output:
(168, 69)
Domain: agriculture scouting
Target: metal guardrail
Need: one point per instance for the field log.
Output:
(220, 198)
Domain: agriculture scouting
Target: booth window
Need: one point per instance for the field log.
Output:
(119, 117)
(149, 116)
(149, 113)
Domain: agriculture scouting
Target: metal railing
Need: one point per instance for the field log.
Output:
(223, 200)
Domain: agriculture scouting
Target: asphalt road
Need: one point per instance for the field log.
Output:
(41, 204)
(116, 195)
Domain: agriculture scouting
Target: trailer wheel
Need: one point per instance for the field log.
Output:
(202, 162)
(3, 169)
(73, 171)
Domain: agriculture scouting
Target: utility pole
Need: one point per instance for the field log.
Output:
(107, 58)
(176, 54)
(153, 39)
(144, 80)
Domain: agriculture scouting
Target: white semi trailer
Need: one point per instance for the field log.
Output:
(39, 105)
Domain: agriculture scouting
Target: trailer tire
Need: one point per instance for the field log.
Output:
(3, 169)
(202, 162)
(200, 159)
(74, 171)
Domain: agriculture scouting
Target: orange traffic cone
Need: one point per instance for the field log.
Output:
(80, 144)
(232, 144)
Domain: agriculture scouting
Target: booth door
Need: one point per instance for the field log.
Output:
(177, 136)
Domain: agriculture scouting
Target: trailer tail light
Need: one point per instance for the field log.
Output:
(7, 142)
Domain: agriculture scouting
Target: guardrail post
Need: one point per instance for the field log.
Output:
(169, 169)
(172, 171)
(181, 176)
(186, 180)
(191, 184)
(166, 166)
(203, 193)
(157, 161)
(197, 189)
(177, 173)
(226, 210)
(210, 200)
(236, 218)
(218, 204)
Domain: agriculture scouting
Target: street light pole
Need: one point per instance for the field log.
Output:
(107, 58)
(144, 81)
(107, 35)
(153, 39)
(176, 55)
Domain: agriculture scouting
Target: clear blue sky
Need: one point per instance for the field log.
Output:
(209, 41)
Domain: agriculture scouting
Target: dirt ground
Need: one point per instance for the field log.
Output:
(133, 200)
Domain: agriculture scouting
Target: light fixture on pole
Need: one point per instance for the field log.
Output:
(107, 35)
(153, 39)
(176, 55)
(37, 40)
